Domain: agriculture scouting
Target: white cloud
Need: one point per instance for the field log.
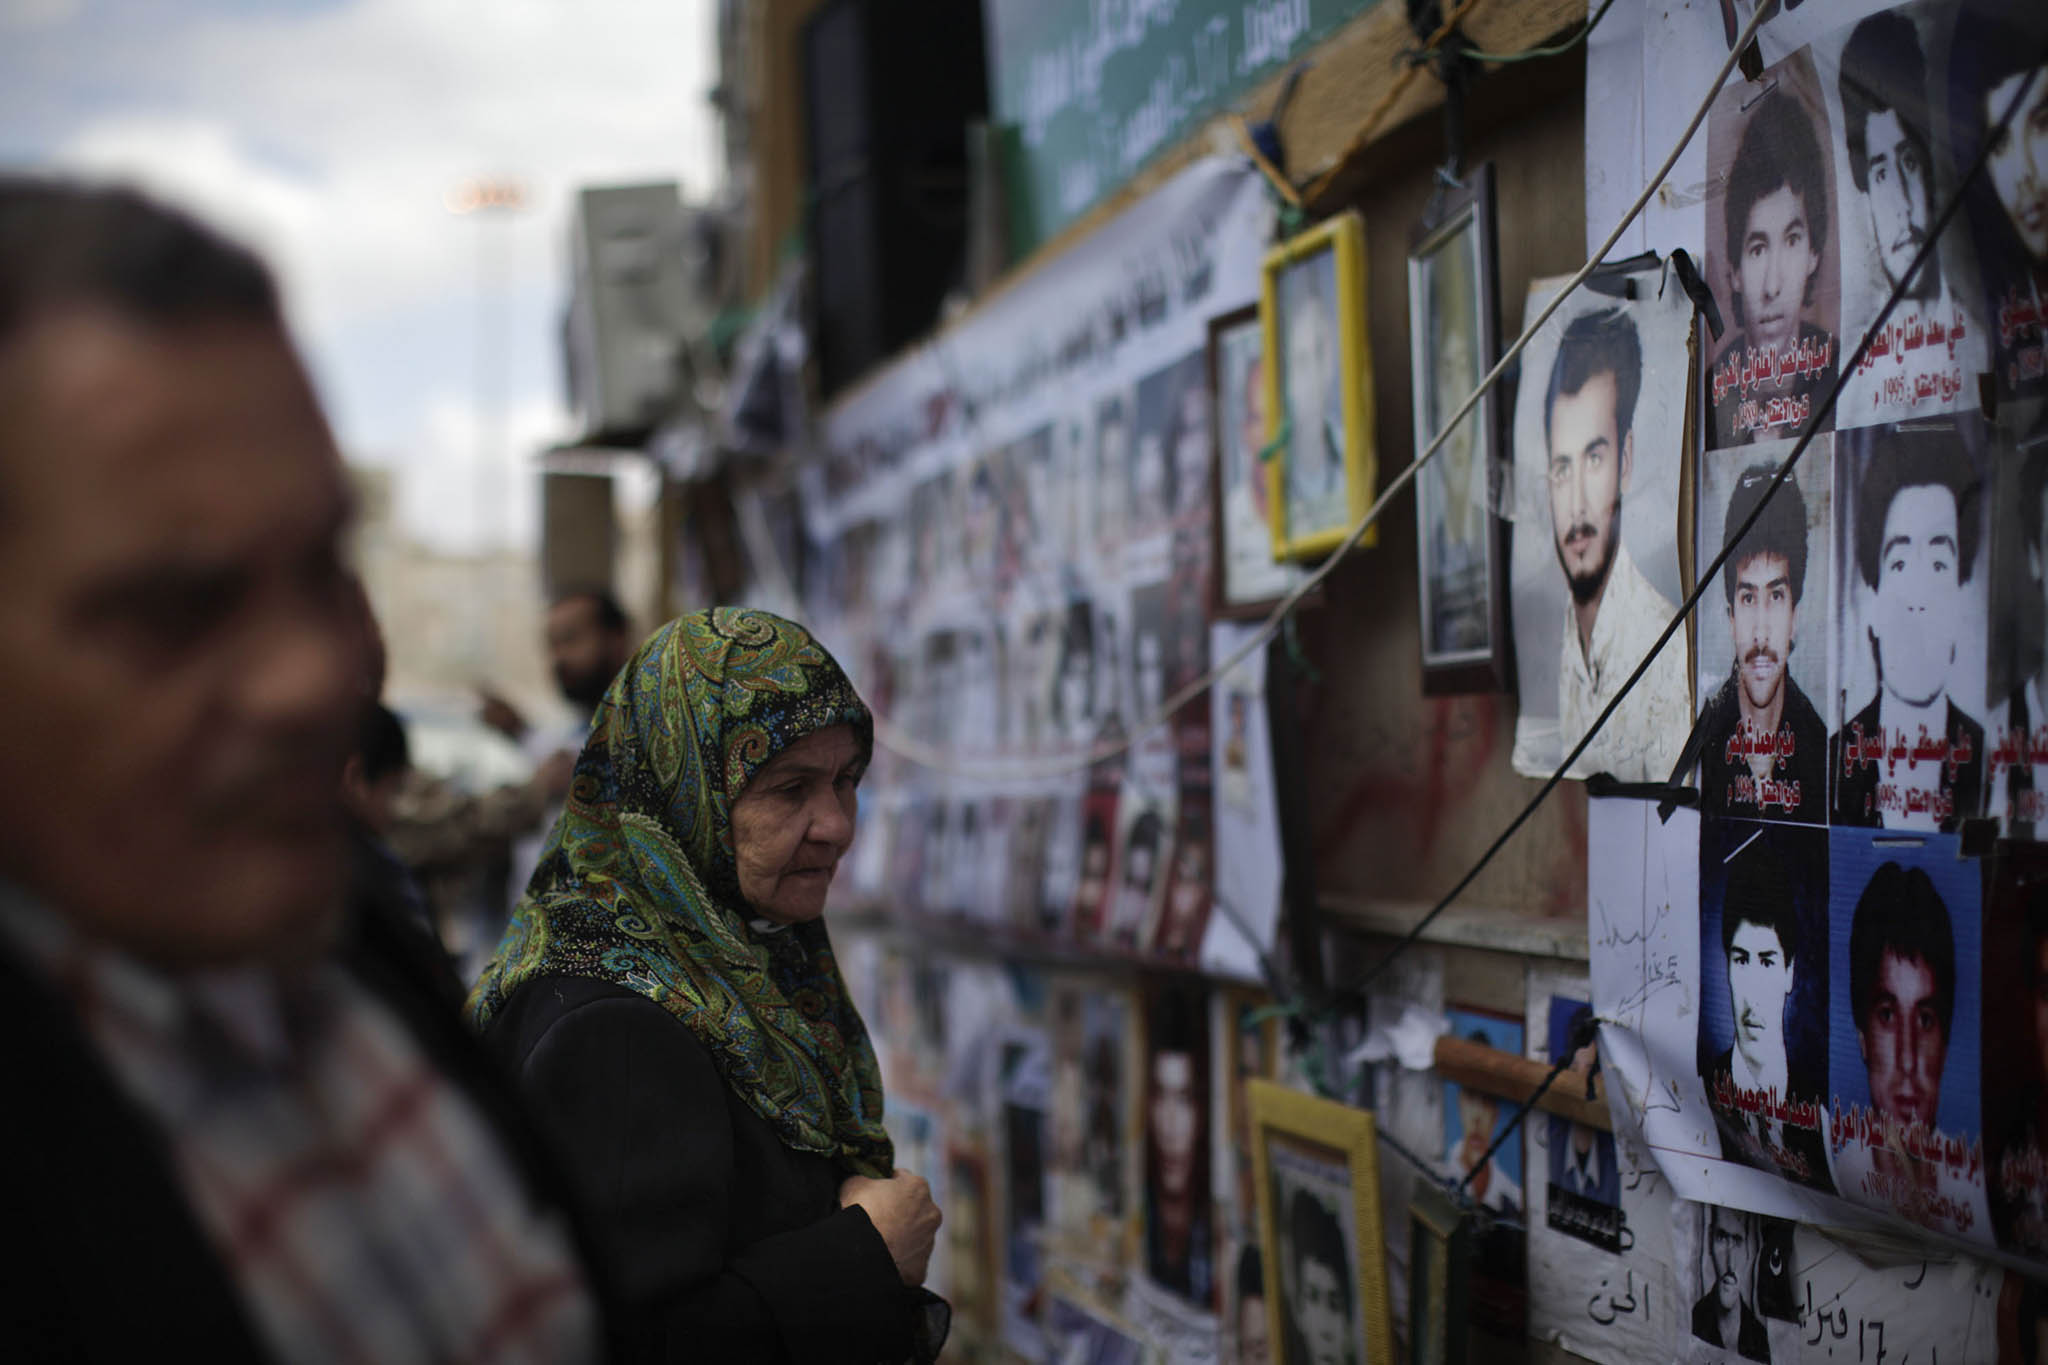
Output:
(460, 493)
(330, 140)
(28, 15)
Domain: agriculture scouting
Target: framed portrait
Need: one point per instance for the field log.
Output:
(1317, 1173)
(1318, 388)
(1439, 1267)
(1245, 581)
(1453, 332)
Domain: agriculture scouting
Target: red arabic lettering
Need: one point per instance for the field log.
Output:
(2016, 316)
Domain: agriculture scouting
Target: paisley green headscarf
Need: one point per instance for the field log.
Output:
(638, 884)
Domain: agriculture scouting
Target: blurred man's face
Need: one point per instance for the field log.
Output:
(1919, 593)
(1319, 1311)
(586, 656)
(1759, 979)
(1904, 1045)
(1590, 464)
(1777, 257)
(1174, 1121)
(1254, 1343)
(180, 662)
(1728, 1248)
(2019, 161)
(1899, 195)
(1311, 370)
(1477, 1114)
(1762, 617)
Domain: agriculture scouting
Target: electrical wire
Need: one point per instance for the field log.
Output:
(929, 756)
(1371, 123)
(1536, 53)
(1730, 540)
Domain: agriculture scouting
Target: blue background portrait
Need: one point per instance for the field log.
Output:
(1504, 1035)
(1564, 1011)
(1802, 850)
(1856, 855)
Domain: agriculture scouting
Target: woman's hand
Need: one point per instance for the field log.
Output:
(902, 1210)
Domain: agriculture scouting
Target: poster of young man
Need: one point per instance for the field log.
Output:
(1763, 638)
(1059, 885)
(1927, 357)
(1244, 1048)
(1180, 1244)
(2016, 771)
(1764, 994)
(1245, 553)
(1315, 1226)
(1473, 1120)
(1155, 495)
(1772, 255)
(1146, 817)
(1583, 1194)
(1995, 65)
(1090, 1025)
(1246, 914)
(1908, 750)
(1903, 991)
(1731, 1264)
(1599, 417)
(1312, 382)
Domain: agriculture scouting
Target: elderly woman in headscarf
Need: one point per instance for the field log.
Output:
(668, 998)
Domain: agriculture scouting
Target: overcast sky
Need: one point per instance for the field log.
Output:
(330, 134)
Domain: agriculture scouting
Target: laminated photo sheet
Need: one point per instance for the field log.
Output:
(1649, 987)
(1598, 437)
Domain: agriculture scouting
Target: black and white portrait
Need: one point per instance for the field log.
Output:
(1598, 420)
(1927, 356)
(1763, 638)
(1772, 256)
(1995, 66)
(1908, 748)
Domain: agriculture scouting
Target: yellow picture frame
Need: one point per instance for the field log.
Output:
(1342, 240)
(1326, 1133)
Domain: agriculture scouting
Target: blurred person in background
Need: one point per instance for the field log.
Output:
(668, 997)
(589, 639)
(251, 1129)
(473, 851)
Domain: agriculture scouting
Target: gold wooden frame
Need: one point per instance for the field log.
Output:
(1344, 235)
(1350, 1133)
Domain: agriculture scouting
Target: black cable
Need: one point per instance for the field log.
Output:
(1730, 541)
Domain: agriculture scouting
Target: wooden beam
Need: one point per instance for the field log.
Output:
(1516, 1078)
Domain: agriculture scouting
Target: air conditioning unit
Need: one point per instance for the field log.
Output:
(643, 291)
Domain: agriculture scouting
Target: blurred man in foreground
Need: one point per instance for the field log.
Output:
(246, 1131)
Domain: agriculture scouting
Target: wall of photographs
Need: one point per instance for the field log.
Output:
(1811, 972)
(1022, 581)
(1026, 540)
